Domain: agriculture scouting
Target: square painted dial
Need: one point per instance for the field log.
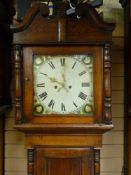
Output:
(63, 84)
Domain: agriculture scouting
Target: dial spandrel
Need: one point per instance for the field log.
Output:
(63, 84)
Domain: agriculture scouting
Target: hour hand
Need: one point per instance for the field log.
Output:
(62, 84)
(53, 79)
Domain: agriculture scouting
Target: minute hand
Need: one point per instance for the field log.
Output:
(63, 84)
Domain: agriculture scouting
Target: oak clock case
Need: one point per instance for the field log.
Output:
(63, 91)
(61, 83)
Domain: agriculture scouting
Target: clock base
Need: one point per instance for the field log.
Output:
(63, 161)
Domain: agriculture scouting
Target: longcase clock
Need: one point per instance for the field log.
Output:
(63, 93)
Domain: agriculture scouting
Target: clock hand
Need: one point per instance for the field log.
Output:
(62, 84)
(54, 80)
(63, 77)
(63, 88)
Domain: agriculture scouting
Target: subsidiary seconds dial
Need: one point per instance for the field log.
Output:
(63, 84)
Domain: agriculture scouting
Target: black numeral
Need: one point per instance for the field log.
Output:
(82, 73)
(41, 85)
(51, 65)
(74, 64)
(51, 104)
(43, 73)
(82, 95)
(62, 107)
(86, 84)
(43, 96)
(62, 60)
(75, 104)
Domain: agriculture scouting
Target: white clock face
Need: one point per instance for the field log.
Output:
(63, 84)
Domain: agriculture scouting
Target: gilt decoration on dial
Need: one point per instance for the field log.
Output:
(63, 84)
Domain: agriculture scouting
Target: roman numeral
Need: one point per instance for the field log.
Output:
(41, 85)
(74, 64)
(43, 96)
(51, 65)
(43, 73)
(51, 104)
(82, 73)
(62, 60)
(62, 107)
(82, 96)
(75, 104)
(85, 84)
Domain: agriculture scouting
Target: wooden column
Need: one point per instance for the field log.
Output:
(97, 161)
(30, 161)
